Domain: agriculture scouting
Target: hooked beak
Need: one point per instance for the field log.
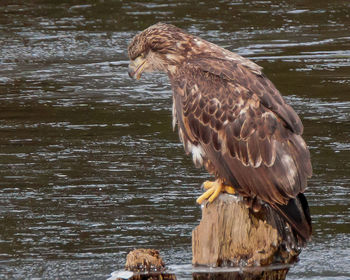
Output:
(136, 67)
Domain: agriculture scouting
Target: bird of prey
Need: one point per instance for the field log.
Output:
(233, 121)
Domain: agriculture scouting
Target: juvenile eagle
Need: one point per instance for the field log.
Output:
(232, 119)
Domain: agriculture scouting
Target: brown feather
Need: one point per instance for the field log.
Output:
(231, 148)
(267, 150)
(216, 142)
(218, 125)
(204, 133)
(254, 155)
(243, 152)
(247, 128)
(205, 117)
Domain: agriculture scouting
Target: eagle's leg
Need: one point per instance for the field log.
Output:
(213, 190)
(209, 184)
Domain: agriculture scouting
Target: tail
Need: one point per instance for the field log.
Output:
(297, 214)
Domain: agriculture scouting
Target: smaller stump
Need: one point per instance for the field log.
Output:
(144, 260)
(146, 264)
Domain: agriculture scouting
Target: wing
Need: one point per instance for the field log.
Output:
(243, 72)
(236, 124)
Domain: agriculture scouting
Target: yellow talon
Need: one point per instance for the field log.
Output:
(229, 190)
(218, 190)
(213, 190)
(205, 195)
(208, 185)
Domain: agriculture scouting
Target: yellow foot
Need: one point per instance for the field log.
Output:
(213, 190)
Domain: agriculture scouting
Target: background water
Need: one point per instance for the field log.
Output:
(89, 165)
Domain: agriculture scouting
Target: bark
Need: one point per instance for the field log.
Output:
(146, 264)
(230, 234)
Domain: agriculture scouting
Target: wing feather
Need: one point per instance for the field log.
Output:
(254, 153)
(248, 133)
(255, 82)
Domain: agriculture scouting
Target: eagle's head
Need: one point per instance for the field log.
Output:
(160, 47)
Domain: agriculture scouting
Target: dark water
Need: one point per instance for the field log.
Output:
(89, 165)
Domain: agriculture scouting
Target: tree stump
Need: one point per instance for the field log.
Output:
(144, 260)
(278, 274)
(143, 264)
(231, 234)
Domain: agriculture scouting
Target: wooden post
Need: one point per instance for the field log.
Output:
(144, 260)
(143, 264)
(230, 234)
(279, 274)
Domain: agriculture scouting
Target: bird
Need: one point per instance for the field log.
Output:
(232, 120)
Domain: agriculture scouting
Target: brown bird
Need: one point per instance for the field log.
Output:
(233, 121)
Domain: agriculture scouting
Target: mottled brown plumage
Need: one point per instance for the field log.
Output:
(231, 118)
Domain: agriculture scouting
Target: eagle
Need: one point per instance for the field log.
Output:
(233, 121)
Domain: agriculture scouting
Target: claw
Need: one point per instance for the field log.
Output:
(218, 190)
(208, 185)
(213, 190)
(205, 195)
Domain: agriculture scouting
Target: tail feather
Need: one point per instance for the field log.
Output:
(297, 214)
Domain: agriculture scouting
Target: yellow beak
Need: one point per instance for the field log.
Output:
(136, 67)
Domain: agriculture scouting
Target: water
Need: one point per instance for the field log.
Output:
(89, 165)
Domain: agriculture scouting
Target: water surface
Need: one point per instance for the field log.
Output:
(89, 165)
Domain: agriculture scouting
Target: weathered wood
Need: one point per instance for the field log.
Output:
(144, 260)
(230, 234)
(262, 275)
(146, 265)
